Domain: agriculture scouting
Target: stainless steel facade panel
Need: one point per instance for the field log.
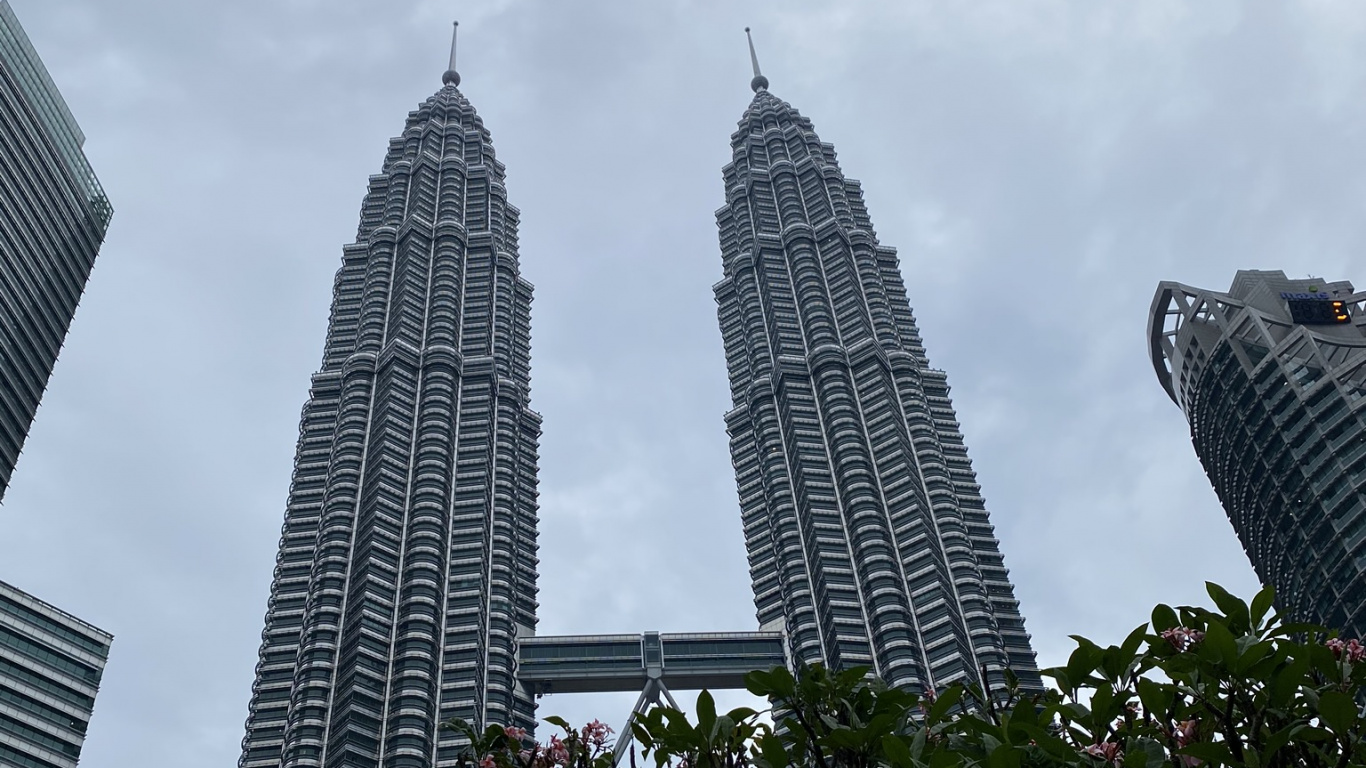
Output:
(868, 540)
(407, 565)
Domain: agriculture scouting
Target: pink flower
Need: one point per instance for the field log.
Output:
(514, 733)
(1352, 649)
(1107, 751)
(557, 751)
(596, 733)
(1182, 638)
(487, 762)
(1186, 731)
(1185, 734)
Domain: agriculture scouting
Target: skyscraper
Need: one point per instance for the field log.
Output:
(53, 215)
(868, 538)
(1271, 376)
(407, 564)
(50, 668)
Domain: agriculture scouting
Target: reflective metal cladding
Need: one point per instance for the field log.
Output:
(407, 564)
(868, 538)
(1273, 391)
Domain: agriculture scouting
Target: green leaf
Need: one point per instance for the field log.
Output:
(1004, 756)
(1157, 697)
(1338, 710)
(1209, 751)
(1164, 618)
(723, 727)
(556, 720)
(1276, 741)
(1234, 609)
(843, 738)
(1060, 676)
(775, 683)
(897, 752)
(1012, 680)
(740, 714)
(1220, 641)
(946, 701)
(1153, 752)
(773, 751)
(1083, 660)
(1261, 604)
(1134, 641)
(706, 711)
(1104, 708)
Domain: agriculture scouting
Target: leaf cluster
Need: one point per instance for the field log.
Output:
(1230, 686)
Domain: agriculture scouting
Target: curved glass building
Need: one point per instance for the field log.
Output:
(1271, 376)
(868, 538)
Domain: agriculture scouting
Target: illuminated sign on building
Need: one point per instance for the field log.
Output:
(1316, 309)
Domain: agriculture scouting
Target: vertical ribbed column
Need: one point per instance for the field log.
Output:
(407, 568)
(847, 455)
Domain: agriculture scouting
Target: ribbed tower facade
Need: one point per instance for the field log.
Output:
(407, 565)
(868, 540)
(53, 216)
(1277, 409)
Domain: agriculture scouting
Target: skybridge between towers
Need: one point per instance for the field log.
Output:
(651, 662)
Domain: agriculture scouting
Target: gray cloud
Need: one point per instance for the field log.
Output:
(1040, 165)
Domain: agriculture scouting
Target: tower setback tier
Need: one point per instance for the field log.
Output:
(868, 538)
(407, 565)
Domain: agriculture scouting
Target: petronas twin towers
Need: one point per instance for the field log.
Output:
(407, 566)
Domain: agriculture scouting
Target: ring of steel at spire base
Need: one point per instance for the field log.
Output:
(451, 77)
(759, 83)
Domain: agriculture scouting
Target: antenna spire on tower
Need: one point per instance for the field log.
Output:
(452, 77)
(759, 82)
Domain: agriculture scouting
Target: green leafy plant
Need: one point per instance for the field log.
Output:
(1231, 686)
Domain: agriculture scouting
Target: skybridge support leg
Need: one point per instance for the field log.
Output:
(649, 697)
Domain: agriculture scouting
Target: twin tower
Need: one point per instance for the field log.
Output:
(405, 585)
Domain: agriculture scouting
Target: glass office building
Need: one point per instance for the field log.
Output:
(1271, 376)
(407, 563)
(868, 537)
(50, 668)
(53, 215)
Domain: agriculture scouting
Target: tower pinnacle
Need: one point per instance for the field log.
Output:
(451, 77)
(759, 82)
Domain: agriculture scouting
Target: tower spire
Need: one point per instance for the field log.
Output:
(759, 82)
(452, 77)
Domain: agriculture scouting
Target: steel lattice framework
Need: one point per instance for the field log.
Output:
(868, 540)
(407, 565)
(1277, 414)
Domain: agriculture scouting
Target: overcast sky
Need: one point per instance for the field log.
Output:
(1040, 165)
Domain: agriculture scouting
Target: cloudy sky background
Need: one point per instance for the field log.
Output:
(1039, 164)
